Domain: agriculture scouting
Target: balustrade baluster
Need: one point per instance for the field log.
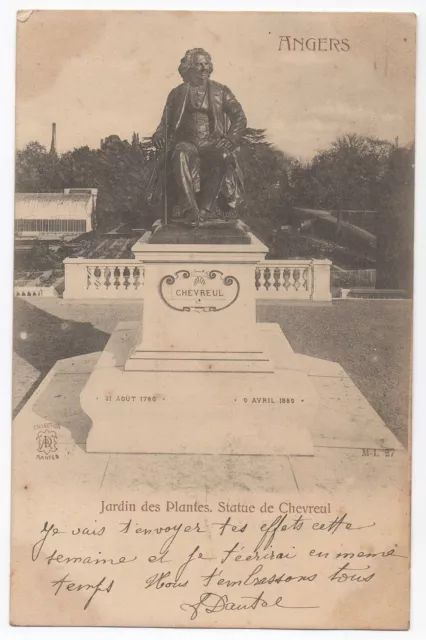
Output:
(286, 276)
(126, 274)
(117, 274)
(277, 273)
(296, 278)
(88, 277)
(136, 276)
(305, 278)
(97, 273)
(257, 274)
(267, 277)
(107, 274)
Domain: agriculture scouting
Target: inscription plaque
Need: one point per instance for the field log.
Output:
(199, 290)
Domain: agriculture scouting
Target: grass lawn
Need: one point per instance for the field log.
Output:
(371, 339)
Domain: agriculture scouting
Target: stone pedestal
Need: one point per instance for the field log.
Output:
(200, 309)
(195, 376)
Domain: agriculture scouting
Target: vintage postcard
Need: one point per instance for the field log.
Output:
(213, 319)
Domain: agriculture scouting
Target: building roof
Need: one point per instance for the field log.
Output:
(52, 197)
(108, 247)
(53, 206)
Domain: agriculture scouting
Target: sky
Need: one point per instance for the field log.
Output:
(109, 72)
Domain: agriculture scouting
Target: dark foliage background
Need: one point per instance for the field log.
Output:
(356, 173)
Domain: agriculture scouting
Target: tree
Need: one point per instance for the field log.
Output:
(78, 168)
(268, 197)
(356, 172)
(120, 170)
(36, 170)
(395, 204)
(345, 176)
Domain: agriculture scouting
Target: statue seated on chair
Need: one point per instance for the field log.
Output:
(198, 177)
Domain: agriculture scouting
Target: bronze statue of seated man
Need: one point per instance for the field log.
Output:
(199, 135)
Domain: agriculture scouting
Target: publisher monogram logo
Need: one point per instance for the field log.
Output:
(46, 442)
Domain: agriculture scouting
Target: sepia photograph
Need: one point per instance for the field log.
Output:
(213, 310)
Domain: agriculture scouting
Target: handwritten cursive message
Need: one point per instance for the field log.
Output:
(212, 562)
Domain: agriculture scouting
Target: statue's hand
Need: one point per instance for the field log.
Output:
(159, 140)
(225, 143)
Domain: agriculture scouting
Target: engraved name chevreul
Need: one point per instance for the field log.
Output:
(199, 290)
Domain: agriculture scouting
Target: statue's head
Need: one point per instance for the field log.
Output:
(195, 65)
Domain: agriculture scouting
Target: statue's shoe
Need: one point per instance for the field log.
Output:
(203, 216)
(191, 218)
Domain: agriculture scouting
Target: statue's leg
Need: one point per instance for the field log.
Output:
(185, 166)
(214, 169)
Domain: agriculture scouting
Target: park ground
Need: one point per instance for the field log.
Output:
(371, 339)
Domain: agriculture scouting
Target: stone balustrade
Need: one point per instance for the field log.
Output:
(293, 280)
(103, 278)
(307, 280)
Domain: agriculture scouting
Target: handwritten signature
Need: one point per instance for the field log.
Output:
(214, 603)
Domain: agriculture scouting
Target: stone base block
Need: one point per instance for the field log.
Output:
(196, 412)
(345, 428)
(233, 232)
